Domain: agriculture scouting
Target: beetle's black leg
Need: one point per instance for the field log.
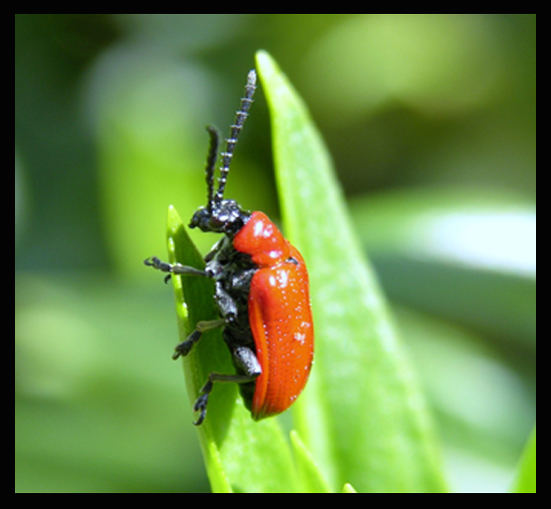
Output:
(214, 250)
(174, 268)
(245, 359)
(184, 347)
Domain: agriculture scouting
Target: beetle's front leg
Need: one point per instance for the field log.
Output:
(214, 250)
(174, 268)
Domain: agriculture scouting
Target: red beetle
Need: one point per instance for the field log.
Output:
(261, 288)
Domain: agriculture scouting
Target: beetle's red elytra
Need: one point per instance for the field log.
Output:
(261, 289)
(279, 315)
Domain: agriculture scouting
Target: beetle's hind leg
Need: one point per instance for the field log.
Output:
(245, 359)
(173, 268)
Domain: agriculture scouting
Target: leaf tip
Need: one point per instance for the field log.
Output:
(348, 488)
(174, 221)
(312, 479)
(265, 63)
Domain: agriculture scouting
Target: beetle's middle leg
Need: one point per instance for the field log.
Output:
(185, 346)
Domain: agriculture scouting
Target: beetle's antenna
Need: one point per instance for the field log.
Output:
(211, 162)
(235, 129)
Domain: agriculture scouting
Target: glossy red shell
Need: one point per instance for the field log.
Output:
(279, 315)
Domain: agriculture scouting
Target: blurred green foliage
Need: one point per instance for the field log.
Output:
(431, 124)
(526, 477)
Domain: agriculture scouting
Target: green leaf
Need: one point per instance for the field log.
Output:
(481, 243)
(526, 475)
(240, 454)
(348, 488)
(361, 415)
(310, 475)
(482, 403)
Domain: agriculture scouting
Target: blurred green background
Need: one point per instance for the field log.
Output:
(431, 122)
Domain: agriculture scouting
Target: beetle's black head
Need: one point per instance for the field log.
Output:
(219, 215)
(225, 216)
